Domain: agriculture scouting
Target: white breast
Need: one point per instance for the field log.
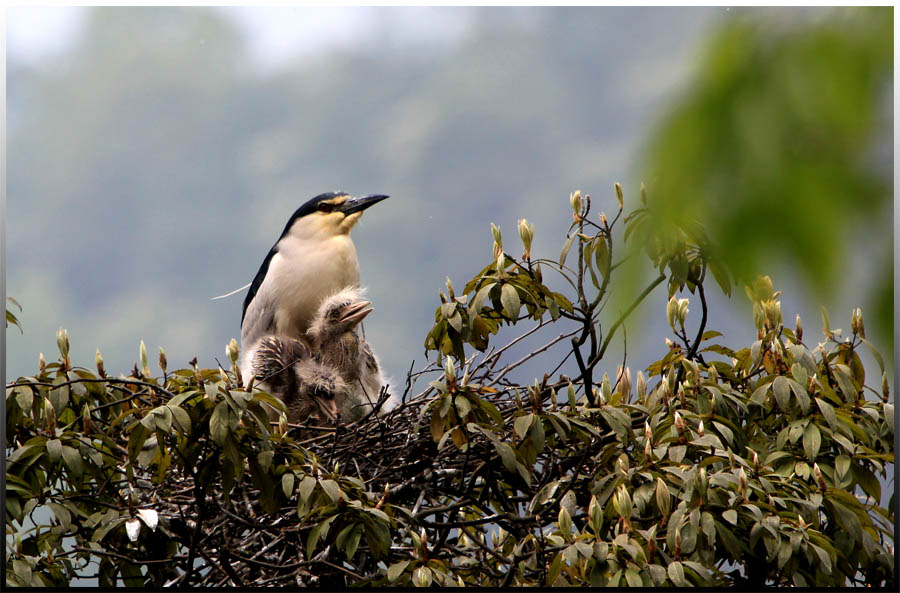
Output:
(303, 273)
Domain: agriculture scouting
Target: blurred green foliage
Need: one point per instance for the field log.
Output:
(781, 144)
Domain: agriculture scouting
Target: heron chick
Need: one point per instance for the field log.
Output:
(308, 388)
(335, 336)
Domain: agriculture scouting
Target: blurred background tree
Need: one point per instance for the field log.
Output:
(782, 144)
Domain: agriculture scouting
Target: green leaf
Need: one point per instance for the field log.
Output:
(219, 423)
(812, 439)
(480, 297)
(317, 532)
(509, 296)
(676, 574)
(782, 390)
(565, 250)
(827, 412)
(395, 570)
(307, 485)
(54, 449)
(287, 484)
(72, 459)
(331, 488)
(731, 516)
(522, 424)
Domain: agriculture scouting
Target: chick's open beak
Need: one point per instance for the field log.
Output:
(356, 312)
(328, 407)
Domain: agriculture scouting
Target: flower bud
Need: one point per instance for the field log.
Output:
(702, 480)
(99, 360)
(605, 387)
(576, 203)
(565, 522)
(679, 423)
(773, 313)
(742, 482)
(700, 430)
(648, 447)
(449, 368)
(623, 378)
(163, 361)
(145, 369)
(755, 462)
(501, 263)
(571, 393)
(62, 340)
(526, 232)
(819, 477)
(620, 195)
(49, 416)
(282, 423)
(86, 424)
(799, 330)
(498, 237)
(641, 386)
(672, 311)
(648, 433)
(885, 388)
(232, 351)
(42, 362)
(603, 220)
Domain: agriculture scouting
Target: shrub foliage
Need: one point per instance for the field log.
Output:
(719, 466)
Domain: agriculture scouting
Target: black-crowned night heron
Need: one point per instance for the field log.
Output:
(286, 369)
(313, 258)
(335, 338)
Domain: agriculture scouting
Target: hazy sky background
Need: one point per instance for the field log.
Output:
(465, 116)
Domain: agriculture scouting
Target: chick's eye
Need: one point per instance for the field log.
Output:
(325, 207)
(334, 314)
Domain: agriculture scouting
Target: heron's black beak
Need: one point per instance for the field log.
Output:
(352, 205)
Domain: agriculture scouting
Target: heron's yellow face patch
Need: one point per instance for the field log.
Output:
(327, 221)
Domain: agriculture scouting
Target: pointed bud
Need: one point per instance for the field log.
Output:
(62, 341)
(672, 311)
(885, 388)
(501, 263)
(145, 368)
(742, 482)
(620, 195)
(449, 286)
(42, 362)
(595, 513)
(49, 416)
(603, 221)
(526, 232)
(670, 344)
(571, 393)
(498, 237)
(648, 447)
(449, 369)
(576, 203)
(232, 351)
(564, 521)
(623, 378)
(755, 462)
(819, 477)
(679, 423)
(648, 434)
(799, 331)
(641, 386)
(163, 361)
(700, 430)
(702, 480)
(282, 423)
(86, 425)
(99, 360)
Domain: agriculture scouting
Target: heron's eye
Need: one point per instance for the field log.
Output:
(325, 207)
(335, 313)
